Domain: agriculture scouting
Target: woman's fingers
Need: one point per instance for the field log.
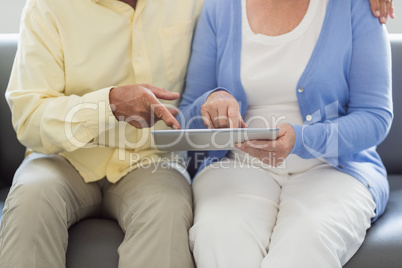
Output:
(234, 117)
(206, 118)
(221, 110)
(221, 120)
(271, 152)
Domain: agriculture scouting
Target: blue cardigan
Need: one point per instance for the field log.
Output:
(347, 87)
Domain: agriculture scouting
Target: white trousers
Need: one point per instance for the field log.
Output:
(248, 217)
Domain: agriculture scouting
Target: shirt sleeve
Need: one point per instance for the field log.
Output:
(369, 113)
(44, 117)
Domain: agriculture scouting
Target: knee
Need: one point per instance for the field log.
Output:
(34, 188)
(220, 229)
(312, 229)
(211, 231)
(219, 221)
(36, 204)
(169, 201)
(34, 196)
(177, 202)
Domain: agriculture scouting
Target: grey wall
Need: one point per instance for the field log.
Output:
(10, 14)
(395, 25)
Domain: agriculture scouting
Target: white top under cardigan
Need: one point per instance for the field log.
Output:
(271, 66)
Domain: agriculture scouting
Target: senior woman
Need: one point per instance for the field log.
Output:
(320, 70)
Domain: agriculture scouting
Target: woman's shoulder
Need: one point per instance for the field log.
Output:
(218, 11)
(219, 4)
(359, 5)
(349, 5)
(353, 10)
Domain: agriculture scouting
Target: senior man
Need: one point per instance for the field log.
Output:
(89, 79)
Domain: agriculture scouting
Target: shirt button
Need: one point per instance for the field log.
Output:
(300, 89)
(139, 59)
(309, 117)
(340, 166)
(369, 185)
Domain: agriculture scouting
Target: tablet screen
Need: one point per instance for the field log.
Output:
(209, 139)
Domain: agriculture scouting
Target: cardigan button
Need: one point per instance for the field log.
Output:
(300, 89)
(309, 117)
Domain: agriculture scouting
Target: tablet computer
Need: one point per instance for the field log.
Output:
(209, 139)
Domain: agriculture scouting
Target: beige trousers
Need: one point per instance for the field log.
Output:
(250, 217)
(154, 209)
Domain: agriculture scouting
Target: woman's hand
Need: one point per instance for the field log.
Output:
(221, 110)
(271, 152)
(382, 8)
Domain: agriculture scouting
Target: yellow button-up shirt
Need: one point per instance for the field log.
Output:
(71, 53)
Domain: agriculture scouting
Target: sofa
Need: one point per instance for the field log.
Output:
(93, 242)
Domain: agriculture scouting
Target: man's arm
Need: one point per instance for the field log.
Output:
(44, 117)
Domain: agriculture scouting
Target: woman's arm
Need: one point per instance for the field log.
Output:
(369, 113)
(201, 75)
(204, 104)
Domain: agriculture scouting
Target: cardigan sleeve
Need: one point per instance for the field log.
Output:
(201, 78)
(369, 110)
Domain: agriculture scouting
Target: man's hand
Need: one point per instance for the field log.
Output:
(271, 152)
(382, 8)
(138, 105)
(221, 110)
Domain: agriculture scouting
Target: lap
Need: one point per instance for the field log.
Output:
(54, 178)
(318, 196)
(230, 199)
(317, 187)
(153, 188)
(44, 181)
(324, 211)
(229, 178)
(39, 172)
